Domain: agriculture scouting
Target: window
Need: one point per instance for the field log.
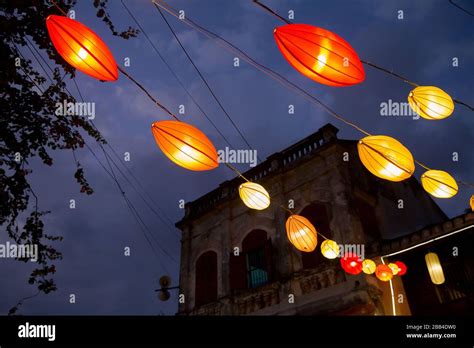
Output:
(253, 267)
(257, 274)
(318, 215)
(206, 278)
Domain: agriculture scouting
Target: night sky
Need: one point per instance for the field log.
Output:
(421, 47)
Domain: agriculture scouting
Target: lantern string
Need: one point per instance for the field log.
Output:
(268, 71)
(164, 108)
(130, 205)
(59, 8)
(404, 79)
(273, 74)
(175, 75)
(198, 71)
(292, 213)
(287, 21)
(235, 170)
(387, 71)
(461, 8)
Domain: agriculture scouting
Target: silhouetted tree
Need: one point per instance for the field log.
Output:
(29, 126)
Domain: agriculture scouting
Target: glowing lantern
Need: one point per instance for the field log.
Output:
(439, 184)
(402, 268)
(329, 249)
(254, 195)
(394, 268)
(471, 202)
(351, 263)
(386, 157)
(431, 102)
(368, 266)
(301, 233)
(384, 273)
(185, 145)
(434, 268)
(81, 48)
(319, 54)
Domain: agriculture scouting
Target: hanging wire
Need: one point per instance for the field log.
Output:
(276, 76)
(375, 66)
(175, 75)
(159, 216)
(461, 8)
(128, 202)
(205, 81)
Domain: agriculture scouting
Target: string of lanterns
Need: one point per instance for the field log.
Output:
(182, 143)
(317, 54)
(392, 169)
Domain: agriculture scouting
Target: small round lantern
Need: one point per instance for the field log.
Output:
(383, 273)
(330, 249)
(254, 195)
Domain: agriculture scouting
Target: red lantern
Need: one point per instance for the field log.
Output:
(351, 263)
(82, 48)
(319, 54)
(402, 267)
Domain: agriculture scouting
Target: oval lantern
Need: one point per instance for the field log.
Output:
(351, 263)
(386, 157)
(431, 103)
(471, 202)
(368, 266)
(330, 249)
(82, 48)
(301, 233)
(402, 268)
(384, 273)
(319, 54)
(394, 268)
(434, 268)
(439, 184)
(185, 145)
(254, 195)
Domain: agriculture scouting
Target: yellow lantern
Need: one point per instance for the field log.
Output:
(471, 202)
(431, 103)
(254, 195)
(329, 249)
(383, 273)
(386, 157)
(301, 233)
(394, 267)
(368, 266)
(434, 268)
(439, 184)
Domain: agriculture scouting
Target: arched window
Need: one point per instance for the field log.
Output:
(206, 278)
(253, 267)
(318, 215)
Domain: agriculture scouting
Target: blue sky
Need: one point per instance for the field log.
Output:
(421, 47)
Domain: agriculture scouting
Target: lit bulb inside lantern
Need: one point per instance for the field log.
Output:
(82, 53)
(329, 249)
(254, 195)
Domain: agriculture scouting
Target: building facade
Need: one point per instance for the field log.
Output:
(238, 261)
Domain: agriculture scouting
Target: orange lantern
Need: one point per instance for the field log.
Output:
(319, 54)
(82, 48)
(185, 145)
(384, 273)
(301, 233)
(351, 263)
